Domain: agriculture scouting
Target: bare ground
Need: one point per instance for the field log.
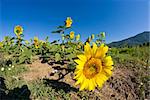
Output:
(121, 86)
(37, 70)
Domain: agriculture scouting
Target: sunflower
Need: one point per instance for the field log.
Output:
(1, 44)
(18, 30)
(94, 67)
(89, 39)
(36, 42)
(68, 22)
(78, 37)
(36, 39)
(71, 35)
(92, 37)
(26, 42)
(63, 47)
(103, 34)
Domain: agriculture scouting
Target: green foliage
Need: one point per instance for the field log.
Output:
(139, 39)
(140, 54)
(57, 57)
(12, 76)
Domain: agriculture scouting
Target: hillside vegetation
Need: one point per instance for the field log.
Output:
(138, 39)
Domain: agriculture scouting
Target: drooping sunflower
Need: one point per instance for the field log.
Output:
(71, 35)
(18, 30)
(94, 67)
(68, 22)
(78, 37)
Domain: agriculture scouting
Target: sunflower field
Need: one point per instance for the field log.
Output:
(70, 69)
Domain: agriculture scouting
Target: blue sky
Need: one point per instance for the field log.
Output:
(120, 19)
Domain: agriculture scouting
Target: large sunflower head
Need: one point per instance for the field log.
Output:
(18, 30)
(68, 22)
(94, 67)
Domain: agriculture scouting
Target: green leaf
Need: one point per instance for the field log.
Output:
(58, 31)
(60, 27)
(22, 59)
(57, 57)
(46, 39)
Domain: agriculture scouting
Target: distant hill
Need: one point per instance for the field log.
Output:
(138, 39)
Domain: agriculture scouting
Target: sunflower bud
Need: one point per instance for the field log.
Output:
(26, 42)
(103, 34)
(78, 37)
(63, 47)
(92, 37)
(1, 45)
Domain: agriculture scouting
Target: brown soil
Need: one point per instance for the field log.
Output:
(121, 86)
(37, 70)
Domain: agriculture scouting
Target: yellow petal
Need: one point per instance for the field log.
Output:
(78, 74)
(99, 82)
(79, 67)
(108, 61)
(108, 71)
(109, 67)
(80, 79)
(91, 84)
(77, 71)
(87, 50)
(82, 57)
(103, 76)
(79, 62)
(104, 51)
(84, 84)
(101, 51)
(94, 49)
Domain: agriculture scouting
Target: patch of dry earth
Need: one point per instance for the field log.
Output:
(37, 70)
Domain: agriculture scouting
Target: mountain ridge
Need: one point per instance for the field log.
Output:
(138, 39)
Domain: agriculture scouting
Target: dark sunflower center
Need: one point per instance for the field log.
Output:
(18, 31)
(92, 68)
